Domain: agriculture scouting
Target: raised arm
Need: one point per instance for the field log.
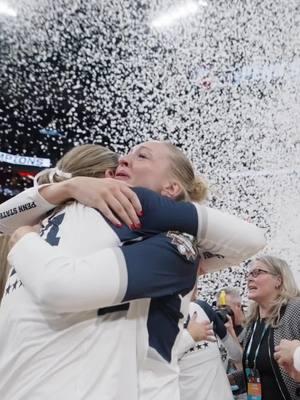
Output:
(27, 208)
(223, 239)
(108, 195)
(225, 236)
(226, 240)
(151, 268)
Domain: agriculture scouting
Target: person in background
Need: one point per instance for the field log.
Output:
(274, 314)
(233, 301)
(199, 357)
(229, 307)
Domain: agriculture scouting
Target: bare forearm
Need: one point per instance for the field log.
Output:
(107, 195)
(59, 193)
(233, 347)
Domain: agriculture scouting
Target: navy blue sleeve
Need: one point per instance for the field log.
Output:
(218, 324)
(156, 268)
(162, 213)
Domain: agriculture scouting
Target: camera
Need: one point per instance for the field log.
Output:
(223, 313)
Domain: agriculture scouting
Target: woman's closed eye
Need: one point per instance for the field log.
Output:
(142, 155)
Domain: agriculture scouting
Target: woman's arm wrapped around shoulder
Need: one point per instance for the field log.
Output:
(27, 208)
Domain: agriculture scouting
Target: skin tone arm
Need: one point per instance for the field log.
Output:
(107, 195)
(284, 354)
(230, 329)
(20, 232)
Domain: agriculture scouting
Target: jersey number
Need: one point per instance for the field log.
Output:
(53, 226)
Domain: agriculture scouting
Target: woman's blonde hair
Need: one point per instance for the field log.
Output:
(288, 289)
(4, 266)
(85, 160)
(194, 187)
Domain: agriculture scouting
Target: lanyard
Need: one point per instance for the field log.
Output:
(258, 346)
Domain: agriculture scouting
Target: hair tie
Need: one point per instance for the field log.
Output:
(62, 174)
(51, 173)
(39, 174)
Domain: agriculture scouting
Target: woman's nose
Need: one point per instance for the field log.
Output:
(124, 161)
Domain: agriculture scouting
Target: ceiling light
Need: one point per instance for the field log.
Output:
(171, 16)
(5, 9)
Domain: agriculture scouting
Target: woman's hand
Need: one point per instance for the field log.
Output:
(202, 330)
(285, 351)
(20, 232)
(116, 201)
(284, 356)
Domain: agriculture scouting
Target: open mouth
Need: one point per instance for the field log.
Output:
(251, 288)
(121, 175)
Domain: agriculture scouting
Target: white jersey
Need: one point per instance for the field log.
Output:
(158, 377)
(68, 355)
(202, 375)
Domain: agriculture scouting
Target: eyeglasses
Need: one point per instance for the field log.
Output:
(257, 271)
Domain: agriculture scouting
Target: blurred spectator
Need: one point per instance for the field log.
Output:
(234, 309)
(273, 316)
(200, 360)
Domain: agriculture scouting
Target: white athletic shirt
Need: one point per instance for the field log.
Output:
(158, 378)
(296, 358)
(46, 354)
(202, 374)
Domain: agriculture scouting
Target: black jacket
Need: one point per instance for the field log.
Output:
(289, 328)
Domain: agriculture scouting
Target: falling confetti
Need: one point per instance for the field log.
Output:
(221, 80)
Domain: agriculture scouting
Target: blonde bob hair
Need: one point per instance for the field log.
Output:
(288, 289)
(90, 160)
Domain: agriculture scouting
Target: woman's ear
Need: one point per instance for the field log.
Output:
(279, 282)
(109, 173)
(172, 189)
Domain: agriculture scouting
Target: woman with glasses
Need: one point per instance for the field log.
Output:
(273, 315)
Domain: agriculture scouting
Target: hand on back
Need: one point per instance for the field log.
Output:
(113, 198)
(202, 330)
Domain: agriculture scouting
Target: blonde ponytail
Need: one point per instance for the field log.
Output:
(199, 189)
(86, 160)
